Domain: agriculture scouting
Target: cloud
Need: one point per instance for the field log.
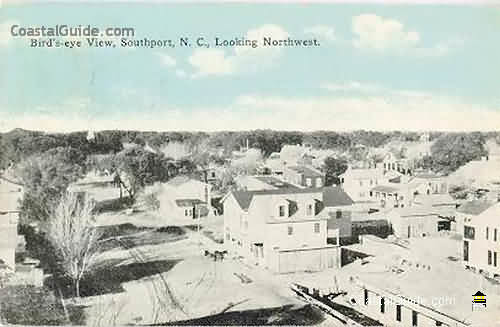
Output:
(166, 60)
(402, 110)
(5, 35)
(323, 32)
(385, 35)
(370, 88)
(242, 58)
(378, 33)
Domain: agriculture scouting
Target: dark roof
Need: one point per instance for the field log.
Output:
(306, 171)
(335, 196)
(273, 181)
(474, 207)
(188, 202)
(244, 198)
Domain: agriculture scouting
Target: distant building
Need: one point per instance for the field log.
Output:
(186, 198)
(339, 206)
(481, 243)
(392, 163)
(10, 194)
(283, 229)
(358, 182)
(419, 220)
(304, 176)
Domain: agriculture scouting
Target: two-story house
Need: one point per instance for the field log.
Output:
(358, 182)
(481, 243)
(284, 229)
(339, 206)
(304, 176)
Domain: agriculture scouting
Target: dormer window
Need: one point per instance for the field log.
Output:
(319, 182)
(309, 209)
(308, 182)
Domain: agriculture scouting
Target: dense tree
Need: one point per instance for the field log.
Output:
(450, 151)
(139, 168)
(46, 177)
(333, 168)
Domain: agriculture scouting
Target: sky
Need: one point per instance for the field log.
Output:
(378, 67)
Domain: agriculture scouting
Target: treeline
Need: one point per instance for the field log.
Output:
(19, 144)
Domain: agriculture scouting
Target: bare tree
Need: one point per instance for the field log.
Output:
(73, 234)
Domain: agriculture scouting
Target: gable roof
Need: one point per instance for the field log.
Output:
(309, 172)
(244, 198)
(182, 179)
(474, 207)
(335, 196)
(363, 173)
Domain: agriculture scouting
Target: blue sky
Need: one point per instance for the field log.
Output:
(378, 67)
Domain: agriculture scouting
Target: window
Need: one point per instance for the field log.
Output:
(316, 229)
(319, 182)
(495, 235)
(494, 259)
(360, 183)
(414, 318)
(489, 257)
(366, 296)
(228, 237)
(338, 214)
(281, 211)
(469, 232)
(309, 209)
(466, 251)
(398, 312)
(382, 305)
(371, 182)
(487, 232)
(308, 182)
(290, 230)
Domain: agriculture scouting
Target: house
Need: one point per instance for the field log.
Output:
(391, 162)
(185, 198)
(481, 237)
(358, 182)
(431, 183)
(283, 229)
(339, 207)
(304, 176)
(10, 194)
(419, 220)
(264, 182)
(468, 210)
(388, 284)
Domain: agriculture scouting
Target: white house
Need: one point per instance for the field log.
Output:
(419, 220)
(10, 193)
(358, 182)
(481, 238)
(284, 229)
(186, 198)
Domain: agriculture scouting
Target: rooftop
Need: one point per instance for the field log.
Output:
(474, 207)
(309, 172)
(335, 196)
(188, 202)
(273, 181)
(363, 173)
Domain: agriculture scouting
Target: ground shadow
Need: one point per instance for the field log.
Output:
(287, 315)
(110, 277)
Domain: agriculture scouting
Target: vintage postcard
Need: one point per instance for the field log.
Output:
(231, 163)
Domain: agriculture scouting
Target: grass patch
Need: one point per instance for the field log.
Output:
(30, 305)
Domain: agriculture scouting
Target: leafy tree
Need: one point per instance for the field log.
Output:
(333, 168)
(139, 168)
(452, 151)
(46, 177)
